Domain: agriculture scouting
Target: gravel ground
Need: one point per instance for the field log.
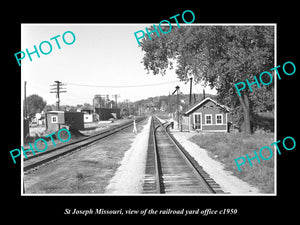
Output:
(129, 177)
(89, 129)
(112, 167)
(87, 171)
(229, 183)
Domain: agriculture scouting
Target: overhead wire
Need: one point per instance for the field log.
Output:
(120, 86)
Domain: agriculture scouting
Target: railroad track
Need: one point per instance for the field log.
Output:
(170, 169)
(34, 161)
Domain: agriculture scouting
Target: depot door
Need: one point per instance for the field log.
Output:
(197, 121)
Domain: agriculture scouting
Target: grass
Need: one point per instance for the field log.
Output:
(226, 147)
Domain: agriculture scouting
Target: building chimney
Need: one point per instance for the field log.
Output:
(203, 96)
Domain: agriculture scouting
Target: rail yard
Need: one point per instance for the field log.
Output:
(99, 164)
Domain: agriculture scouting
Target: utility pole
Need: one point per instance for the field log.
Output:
(26, 118)
(25, 100)
(169, 104)
(56, 88)
(177, 90)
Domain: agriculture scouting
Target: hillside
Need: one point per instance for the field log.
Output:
(166, 103)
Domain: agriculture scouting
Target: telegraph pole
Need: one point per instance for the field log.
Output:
(169, 104)
(25, 102)
(56, 88)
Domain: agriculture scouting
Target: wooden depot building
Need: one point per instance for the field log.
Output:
(207, 115)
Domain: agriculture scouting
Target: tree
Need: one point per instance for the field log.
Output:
(221, 56)
(35, 104)
(163, 106)
(50, 108)
(87, 105)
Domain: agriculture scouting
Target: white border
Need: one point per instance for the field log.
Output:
(275, 114)
(149, 24)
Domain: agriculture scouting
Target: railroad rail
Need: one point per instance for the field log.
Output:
(34, 161)
(170, 169)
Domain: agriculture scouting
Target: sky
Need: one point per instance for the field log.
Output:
(103, 57)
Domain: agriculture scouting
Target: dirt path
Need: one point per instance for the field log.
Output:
(129, 177)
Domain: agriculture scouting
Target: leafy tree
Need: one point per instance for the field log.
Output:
(221, 56)
(87, 105)
(35, 104)
(163, 106)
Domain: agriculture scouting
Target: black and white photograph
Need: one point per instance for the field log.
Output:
(107, 111)
(145, 111)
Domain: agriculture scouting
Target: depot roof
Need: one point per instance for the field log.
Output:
(197, 105)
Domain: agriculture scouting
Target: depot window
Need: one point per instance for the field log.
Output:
(219, 119)
(208, 119)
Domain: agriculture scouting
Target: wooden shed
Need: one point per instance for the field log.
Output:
(207, 115)
(56, 120)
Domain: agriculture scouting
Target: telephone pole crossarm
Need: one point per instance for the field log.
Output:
(56, 88)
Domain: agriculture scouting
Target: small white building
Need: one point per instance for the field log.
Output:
(88, 115)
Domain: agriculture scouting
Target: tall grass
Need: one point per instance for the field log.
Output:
(229, 146)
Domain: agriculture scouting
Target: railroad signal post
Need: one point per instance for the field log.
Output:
(177, 90)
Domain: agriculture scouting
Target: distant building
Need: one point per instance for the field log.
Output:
(55, 120)
(101, 101)
(39, 118)
(107, 113)
(207, 115)
(104, 108)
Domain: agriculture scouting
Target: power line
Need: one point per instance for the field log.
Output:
(121, 86)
